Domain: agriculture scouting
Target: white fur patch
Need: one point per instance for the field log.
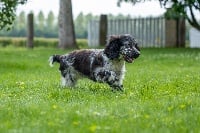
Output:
(51, 61)
(63, 81)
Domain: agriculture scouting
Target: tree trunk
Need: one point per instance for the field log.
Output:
(66, 26)
(103, 27)
(30, 31)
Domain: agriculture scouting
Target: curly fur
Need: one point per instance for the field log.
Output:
(100, 65)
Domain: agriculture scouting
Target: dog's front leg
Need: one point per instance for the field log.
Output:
(109, 77)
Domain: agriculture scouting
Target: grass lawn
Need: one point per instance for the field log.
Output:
(162, 94)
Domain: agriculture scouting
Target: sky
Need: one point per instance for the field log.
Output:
(96, 7)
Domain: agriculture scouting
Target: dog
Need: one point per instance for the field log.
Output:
(100, 65)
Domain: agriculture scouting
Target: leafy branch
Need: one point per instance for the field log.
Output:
(7, 12)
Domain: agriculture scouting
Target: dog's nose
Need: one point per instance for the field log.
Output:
(136, 54)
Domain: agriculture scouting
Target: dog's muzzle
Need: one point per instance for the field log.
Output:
(131, 56)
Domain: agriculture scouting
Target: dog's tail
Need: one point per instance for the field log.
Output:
(54, 58)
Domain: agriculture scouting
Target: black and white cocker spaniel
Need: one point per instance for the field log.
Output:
(100, 65)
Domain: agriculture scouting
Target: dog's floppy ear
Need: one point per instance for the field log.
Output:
(112, 49)
(112, 38)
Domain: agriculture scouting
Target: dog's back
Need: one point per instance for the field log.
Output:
(84, 61)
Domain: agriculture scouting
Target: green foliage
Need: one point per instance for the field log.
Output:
(21, 42)
(7, 12)
(38, 42)
(50, 22)
(82, 43)
(161, 95)
(80, 26)
(41, 21)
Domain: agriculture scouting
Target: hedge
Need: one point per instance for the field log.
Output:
(38, 42)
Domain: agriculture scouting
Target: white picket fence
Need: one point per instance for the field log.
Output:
(149, 32)
(194, 36)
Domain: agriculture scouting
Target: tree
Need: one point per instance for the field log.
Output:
(21, 24)
(66, 26)
(50, 30)
(50, 20)
(41, 20)
(178, 8)
(7, 12)
(39, 24)
(80, 26)
(21, 19)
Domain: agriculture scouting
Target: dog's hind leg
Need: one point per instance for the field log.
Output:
(68, 79)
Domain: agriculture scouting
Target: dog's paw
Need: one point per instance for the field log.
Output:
(117, 88)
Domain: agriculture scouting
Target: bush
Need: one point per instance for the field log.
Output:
(38, 42)
(82, 43)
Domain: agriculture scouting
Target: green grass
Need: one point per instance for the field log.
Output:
(162, 94)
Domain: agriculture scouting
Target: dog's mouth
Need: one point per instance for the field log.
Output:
(128, 59)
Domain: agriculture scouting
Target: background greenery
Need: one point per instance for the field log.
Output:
(38, 42)
(162, 94)
(47, 26)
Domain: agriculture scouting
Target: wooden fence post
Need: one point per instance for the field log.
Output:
(181, 32)
(30, 31)
(175, 32)
(103, 25)
(170, 33)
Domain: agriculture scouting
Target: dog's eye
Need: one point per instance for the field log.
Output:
(130, 45)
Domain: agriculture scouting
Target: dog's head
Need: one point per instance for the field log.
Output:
(122, 46)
